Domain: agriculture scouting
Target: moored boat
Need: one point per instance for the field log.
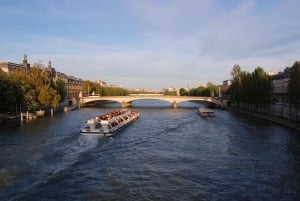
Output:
(108, 124)
(204, 112)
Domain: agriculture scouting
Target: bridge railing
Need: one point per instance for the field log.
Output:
(127, 100)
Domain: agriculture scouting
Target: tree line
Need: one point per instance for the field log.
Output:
(29, 90)
(251, 88)
(256, 88)
(90, 88)
(294, 85)
(210, 90)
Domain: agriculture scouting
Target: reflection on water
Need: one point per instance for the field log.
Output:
(167, 154)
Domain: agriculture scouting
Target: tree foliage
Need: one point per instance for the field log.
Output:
(294, 84)
(29, 90)
(88, 88)
(60, 87)
(170, 92)
(253, 88)
(210, 90)
(183, 92)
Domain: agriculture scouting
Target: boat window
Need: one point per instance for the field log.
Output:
(98, 125)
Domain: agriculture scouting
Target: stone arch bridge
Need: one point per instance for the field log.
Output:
(126, 101)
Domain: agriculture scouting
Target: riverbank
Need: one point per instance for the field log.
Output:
(7, 116)
(46, 112)
(278, 120)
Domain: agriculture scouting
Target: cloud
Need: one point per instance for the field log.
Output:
(159, 43)
(170, 17)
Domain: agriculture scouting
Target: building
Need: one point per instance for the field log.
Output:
(74, 87)
(280, 85)
(227, 83)
(9, 67)
(281, 105)
(101, 83)
(73, 84)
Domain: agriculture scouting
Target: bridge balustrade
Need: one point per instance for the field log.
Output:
(126, 101)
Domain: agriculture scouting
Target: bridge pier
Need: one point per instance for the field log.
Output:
(174, 104)
(125, 104)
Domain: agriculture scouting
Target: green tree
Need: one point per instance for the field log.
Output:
(38, 89)
(294, 87)
(29, 97)
(7, 93)
(183, 92)
(235, 88)
(294, 84)
(253, 89)
(201, 91)
(236, 73)
(48, 97)
(14, 94)
(213, 89)
(262, 88)
(245, 88)
(61, 90)
(170, 93)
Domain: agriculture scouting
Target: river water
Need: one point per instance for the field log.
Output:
(167, 154)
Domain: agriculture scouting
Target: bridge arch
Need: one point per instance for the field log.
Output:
(127, 101)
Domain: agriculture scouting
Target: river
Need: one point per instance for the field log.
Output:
(167, 154)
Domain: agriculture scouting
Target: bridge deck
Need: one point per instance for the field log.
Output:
(174, 100)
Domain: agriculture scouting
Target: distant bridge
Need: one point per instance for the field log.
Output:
(126, 101)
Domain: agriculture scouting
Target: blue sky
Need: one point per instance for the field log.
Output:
(152, 44)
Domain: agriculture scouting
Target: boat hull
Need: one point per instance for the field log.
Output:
(106, 128)
(203, 112)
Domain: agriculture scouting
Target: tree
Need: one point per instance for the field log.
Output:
(236, 73)
(262, 85)
(61, 90)
(170, 92)
(213, 89)
(183, 92)
(7, 93)
(294, 84)
(235, 88)
(253, 89)
(38, 89)
(29, 97)
(48, 97)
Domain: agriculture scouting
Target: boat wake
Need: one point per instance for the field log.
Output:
(70, 153)
(53, 165)
(87, 142)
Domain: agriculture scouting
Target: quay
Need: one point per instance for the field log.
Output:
(274, 119)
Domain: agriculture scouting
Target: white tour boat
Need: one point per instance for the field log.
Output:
(204, 112)
(108, 124)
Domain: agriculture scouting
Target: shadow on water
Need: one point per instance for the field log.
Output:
(52, 164)
(9, 124)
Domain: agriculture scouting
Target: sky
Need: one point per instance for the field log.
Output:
(151, 44)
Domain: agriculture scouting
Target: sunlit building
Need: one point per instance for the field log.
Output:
(227, 83)
(9, 67)
(73, 84)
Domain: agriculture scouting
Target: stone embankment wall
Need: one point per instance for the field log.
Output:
(286, 111)
(283, 110)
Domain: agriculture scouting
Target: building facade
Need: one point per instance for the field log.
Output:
(281, 105)
(9, 67)
(73, 85)
(227, 83)
(280, 85)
